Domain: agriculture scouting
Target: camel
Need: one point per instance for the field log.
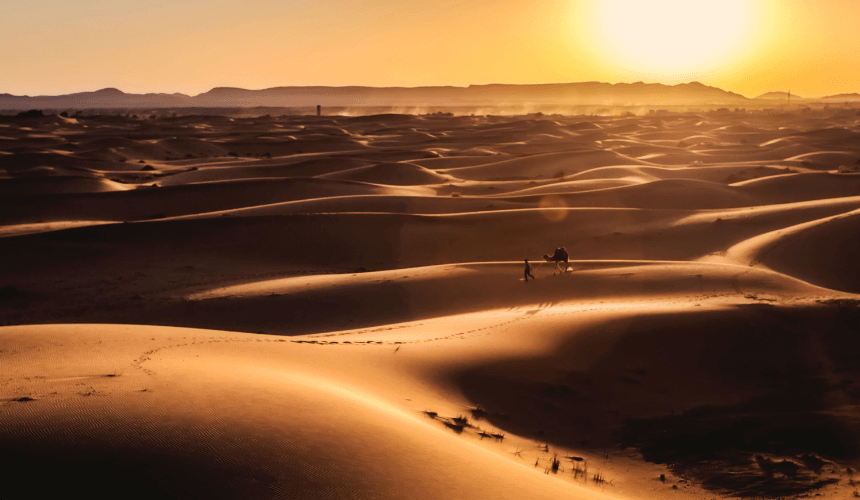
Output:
(560, 255)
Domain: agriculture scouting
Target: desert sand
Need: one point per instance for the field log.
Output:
(334, 307)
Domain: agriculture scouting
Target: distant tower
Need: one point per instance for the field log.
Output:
(319, 110)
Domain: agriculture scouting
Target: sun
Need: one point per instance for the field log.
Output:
(671, 38)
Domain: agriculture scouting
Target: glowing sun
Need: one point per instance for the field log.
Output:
(672, 38)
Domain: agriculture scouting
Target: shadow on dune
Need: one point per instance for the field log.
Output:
(746, 401)
(728, 449)
(73, 476)
(822, 253)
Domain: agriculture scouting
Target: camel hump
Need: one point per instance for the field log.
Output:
(560, 254)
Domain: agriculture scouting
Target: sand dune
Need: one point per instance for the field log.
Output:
(44, 227)
(660, 194)
(562, 187)
(58, 185)
(153, 202)
(263, 428)
(803, 187)
(22, 162)
(796, 251)
(727, 174)
(399, 174)
(379, 298)
(451, 162)
(386, 203)
(307, 307)
(541, 166)
(306, 168)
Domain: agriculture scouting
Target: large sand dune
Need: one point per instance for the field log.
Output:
(334, 307)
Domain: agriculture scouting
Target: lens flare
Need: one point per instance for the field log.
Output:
(553, 208)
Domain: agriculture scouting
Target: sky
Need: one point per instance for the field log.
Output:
(48, 47)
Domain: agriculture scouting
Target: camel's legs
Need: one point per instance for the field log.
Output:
(558, 267)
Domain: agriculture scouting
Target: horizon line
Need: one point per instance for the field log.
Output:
(216, 87)
(417, 87)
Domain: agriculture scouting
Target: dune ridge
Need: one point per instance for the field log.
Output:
(232, 306)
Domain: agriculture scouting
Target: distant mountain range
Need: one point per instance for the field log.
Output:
(583, 93)
(778, 95)
(842, 97)
(783, 96)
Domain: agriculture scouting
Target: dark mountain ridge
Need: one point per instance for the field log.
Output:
(582, 93)
(778, 95)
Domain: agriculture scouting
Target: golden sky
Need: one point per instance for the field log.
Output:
(189, 46)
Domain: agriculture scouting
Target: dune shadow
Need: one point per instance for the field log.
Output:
(761, 392)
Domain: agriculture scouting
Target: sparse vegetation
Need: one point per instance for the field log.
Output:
(478, 412)
(555, 464)
(461, 420)
(454, 426)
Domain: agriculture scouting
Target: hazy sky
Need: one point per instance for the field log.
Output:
(189, 46)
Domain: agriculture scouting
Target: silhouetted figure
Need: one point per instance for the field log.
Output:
(528, 271)
(319, 110)
(560, 255)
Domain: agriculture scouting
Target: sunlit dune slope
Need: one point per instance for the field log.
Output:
(660, 194)
(154, 410)
(224, 171)
(156, 202)
(542, 165)
(726, 174)
(400, 174)
(323, 303)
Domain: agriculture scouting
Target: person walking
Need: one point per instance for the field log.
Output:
(528, 271)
